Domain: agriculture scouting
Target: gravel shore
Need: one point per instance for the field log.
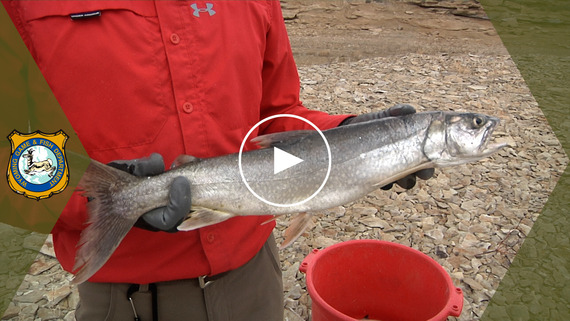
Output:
(362, 56)
(471, 218)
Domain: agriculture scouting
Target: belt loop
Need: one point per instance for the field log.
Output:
(202, 281)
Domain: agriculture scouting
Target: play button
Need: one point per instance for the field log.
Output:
(290, 169)
(283, 160)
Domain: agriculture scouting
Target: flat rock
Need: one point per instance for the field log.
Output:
(373, 221)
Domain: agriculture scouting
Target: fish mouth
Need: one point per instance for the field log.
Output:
(486, 148)
(491, 149)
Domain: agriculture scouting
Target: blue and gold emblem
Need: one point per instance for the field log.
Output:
(38, 166)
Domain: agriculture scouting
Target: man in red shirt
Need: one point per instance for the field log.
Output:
(171, 77)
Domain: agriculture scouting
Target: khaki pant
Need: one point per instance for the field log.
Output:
(250, 293)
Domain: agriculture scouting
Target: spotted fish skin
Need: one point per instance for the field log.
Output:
(364, 157)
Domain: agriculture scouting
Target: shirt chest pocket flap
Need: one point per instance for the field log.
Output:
(105, 63)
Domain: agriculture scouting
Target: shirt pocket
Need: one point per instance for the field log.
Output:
(109, 71)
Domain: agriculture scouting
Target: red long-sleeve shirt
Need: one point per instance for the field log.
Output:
(173, 77)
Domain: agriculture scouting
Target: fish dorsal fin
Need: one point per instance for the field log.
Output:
(183, 159)
(282, 138)
(298, 225)
(201, 217)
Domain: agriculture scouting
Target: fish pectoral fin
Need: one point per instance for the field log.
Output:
(298, 225)
(183, 159)
(403, 174)
(276, 139)
(201, 217)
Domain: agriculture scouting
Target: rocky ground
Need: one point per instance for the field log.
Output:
(357, 57)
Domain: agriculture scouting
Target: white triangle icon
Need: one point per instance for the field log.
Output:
(283, 160)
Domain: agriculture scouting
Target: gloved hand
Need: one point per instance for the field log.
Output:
(394, 111)
(168, 217)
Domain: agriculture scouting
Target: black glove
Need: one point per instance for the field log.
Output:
(168, 217)
(394, 111)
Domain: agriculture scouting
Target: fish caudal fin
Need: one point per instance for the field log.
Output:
(107, 226)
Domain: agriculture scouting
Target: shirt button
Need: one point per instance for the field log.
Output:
(187, 107)
(211, 238)
(174, 38)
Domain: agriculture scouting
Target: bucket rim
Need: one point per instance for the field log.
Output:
(453, 306)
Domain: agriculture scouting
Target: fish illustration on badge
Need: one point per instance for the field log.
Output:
(38, 166)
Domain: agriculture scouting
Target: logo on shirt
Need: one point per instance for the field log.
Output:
(198, 11)
(38, 166)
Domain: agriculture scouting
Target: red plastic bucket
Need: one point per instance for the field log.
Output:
(378, 280)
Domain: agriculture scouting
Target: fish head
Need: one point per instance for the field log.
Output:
(463, 138)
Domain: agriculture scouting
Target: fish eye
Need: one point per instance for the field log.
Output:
(478, 121)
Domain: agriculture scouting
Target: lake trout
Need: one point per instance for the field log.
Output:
(364, 156)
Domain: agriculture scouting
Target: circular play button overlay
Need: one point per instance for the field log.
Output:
(292, 168)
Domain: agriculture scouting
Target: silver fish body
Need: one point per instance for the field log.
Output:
(364, 157)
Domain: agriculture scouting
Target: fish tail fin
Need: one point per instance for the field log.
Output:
(107, 225)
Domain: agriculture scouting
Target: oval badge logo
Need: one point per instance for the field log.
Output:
(38, 166)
